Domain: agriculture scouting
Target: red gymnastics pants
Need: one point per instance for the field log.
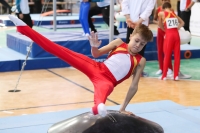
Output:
(171, 44)
(160, 43)
(97, 72)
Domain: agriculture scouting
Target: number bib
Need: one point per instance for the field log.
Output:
(172, 23)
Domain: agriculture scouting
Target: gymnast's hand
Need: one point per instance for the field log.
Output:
(93, 38)
(126, 112)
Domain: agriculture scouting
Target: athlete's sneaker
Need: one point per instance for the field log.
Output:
(170, 76)
(176, 78)
(159, 72)
(184, 76)
(169, 71)
(162, 78)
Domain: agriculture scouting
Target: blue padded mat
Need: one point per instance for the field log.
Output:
(11, 60)
(72, 40)
(166, 113)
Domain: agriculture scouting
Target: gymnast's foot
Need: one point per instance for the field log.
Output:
(102, 110)
(169, 72)
(162, 78)
(159, 72)
(176, 78)
(17, 21)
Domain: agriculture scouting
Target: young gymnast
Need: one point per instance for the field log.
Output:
(123, 61)
(170, 23)
(160, 42)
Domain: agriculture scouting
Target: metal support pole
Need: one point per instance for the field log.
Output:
(111, 27)
(54, 15)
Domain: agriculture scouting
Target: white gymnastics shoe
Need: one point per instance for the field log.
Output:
(169, 72)
(176, 78)
(162, 78)
(102, 110)
(159, 72)
(17, 21)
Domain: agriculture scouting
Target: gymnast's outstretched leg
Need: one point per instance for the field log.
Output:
(86, 65)
(79, 61)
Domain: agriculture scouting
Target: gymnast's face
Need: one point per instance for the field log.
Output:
(136, 44)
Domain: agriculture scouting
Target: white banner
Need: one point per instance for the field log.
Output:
(195, 19)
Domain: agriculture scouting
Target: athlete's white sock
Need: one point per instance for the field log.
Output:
(16, 20)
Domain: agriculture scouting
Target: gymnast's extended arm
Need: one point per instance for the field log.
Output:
(133, 87)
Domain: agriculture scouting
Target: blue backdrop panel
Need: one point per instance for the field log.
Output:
(151, 46)
(64, 22)
(187, 54)
(150, 55)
